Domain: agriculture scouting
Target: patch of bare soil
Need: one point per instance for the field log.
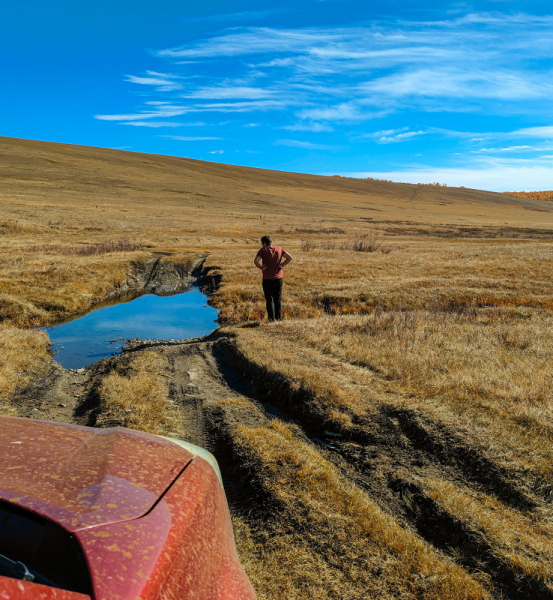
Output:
(165, 274)
(54, 397)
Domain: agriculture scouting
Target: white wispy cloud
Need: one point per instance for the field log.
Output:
(400, 137)
(346, 111)
(230, 107)
(190, 139)
(388, 136)
(378, 68)
(166, 111)
(535, 132)
(314, 127)
(525, 148)
(160, 124)
(456, 82)
(253, 41)
(338, 79)
(544, 133)
(302, 144)
(217, 152)
(386, 132)
(159, 111)
(230, 93)
(162, 81)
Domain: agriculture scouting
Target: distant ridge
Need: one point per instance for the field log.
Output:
(71, 176)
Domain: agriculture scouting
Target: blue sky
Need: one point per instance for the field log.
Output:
(417, 91)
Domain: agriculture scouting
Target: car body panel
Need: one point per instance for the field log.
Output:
(165, 544)
(14, 589)
(198, 451)
(150, 514)
(82, 477)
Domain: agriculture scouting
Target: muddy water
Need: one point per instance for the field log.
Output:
(102, 332)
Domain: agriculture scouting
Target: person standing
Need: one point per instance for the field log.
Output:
(268, 260)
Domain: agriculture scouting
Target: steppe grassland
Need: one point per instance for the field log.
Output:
(456, 332)
(364, 339)
(484, 379)
(413, 272)
(447, 329)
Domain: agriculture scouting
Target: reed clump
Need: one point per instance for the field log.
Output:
(93, 249)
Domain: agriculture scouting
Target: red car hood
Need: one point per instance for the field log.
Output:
(82, 477)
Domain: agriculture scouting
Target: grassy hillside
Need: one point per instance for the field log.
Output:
(103, 185)
(413, 369)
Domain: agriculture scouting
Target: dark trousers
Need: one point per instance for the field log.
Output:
(272, 288)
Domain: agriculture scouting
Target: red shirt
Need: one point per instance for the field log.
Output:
(271, 257)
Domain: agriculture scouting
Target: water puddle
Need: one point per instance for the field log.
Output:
(84, 340)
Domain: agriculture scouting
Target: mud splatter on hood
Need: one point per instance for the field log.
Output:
(82, 477)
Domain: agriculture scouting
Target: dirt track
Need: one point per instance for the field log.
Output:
(68, 395)
(202, 375)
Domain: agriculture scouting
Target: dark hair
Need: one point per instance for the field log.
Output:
(266, 240)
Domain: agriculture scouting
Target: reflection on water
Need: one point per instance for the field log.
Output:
(84, 340)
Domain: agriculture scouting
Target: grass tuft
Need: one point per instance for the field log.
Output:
(24, 356)
(136, 395)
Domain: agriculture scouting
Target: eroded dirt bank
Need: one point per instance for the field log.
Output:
(161, 274)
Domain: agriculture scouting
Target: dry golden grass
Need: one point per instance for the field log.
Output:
(325, 537)
(38, 288)
(520, 541)
(186, 260)
(482, 377)
(24, 356)
(136, 395)
(416, 272)
(489, 370)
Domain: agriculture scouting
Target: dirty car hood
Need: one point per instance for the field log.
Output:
(82, 477)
